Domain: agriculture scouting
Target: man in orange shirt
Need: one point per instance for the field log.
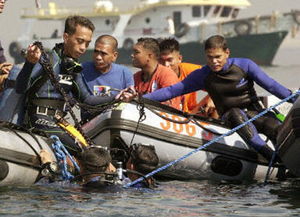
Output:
(153, 75)
(170, 57)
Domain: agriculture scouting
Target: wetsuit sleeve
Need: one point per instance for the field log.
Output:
(266, 82)
(23, 80)
(193, 82)
(84, 96)
(98, 100)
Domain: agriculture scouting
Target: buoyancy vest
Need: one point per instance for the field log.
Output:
(65, 79)
(230, 88)
(45, 93)
(13, 105)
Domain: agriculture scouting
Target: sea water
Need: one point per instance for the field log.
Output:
(172, 198)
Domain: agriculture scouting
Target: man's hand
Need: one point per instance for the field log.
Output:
(206, 108)
(127, 94)
(45, 156)
(33, 54)
(3, 77)
(5, 68)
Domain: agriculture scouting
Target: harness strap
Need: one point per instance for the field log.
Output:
(49, 103)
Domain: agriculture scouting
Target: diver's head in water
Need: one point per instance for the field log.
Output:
(94, 159)
(143, 159)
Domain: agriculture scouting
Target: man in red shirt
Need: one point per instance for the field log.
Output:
(152, 75)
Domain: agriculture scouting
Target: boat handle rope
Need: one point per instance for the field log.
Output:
(61, 154)
(189, 118)
(141, 109)
(212, 141)
(186, 121)
(204, 128)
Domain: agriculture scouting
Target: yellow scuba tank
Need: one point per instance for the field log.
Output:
(71, 130)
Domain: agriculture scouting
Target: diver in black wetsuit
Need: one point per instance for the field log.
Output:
(44, 101)
(230, 83)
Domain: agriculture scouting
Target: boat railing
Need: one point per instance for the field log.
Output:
(53, 12)
(146, 31)
(274, 22)
(254, 25)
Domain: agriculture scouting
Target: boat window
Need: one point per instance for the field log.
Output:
(206, 9)
(177, 18)
(235, 12)
(196, 11)
(216, 10)
(226, 11)
(147, 20)
(107, 22)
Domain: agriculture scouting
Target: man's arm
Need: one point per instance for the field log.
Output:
(193, 82)
(32, 57)
(266, 82)
(22, 81)
(98, 100)
(84, 96)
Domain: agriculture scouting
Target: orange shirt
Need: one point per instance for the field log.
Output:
(162, 77)
(189, 101)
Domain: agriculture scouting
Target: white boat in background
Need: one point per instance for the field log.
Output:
(189, 21)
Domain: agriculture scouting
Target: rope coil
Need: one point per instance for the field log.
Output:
(61, 154)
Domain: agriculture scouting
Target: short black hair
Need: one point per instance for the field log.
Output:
(72, 22)
(108, 39)
(169, 45)
(150, 44)
(144, 157)
(216, 41)
(95, 159)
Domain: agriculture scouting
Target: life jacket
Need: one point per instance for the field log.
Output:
(231, 88)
